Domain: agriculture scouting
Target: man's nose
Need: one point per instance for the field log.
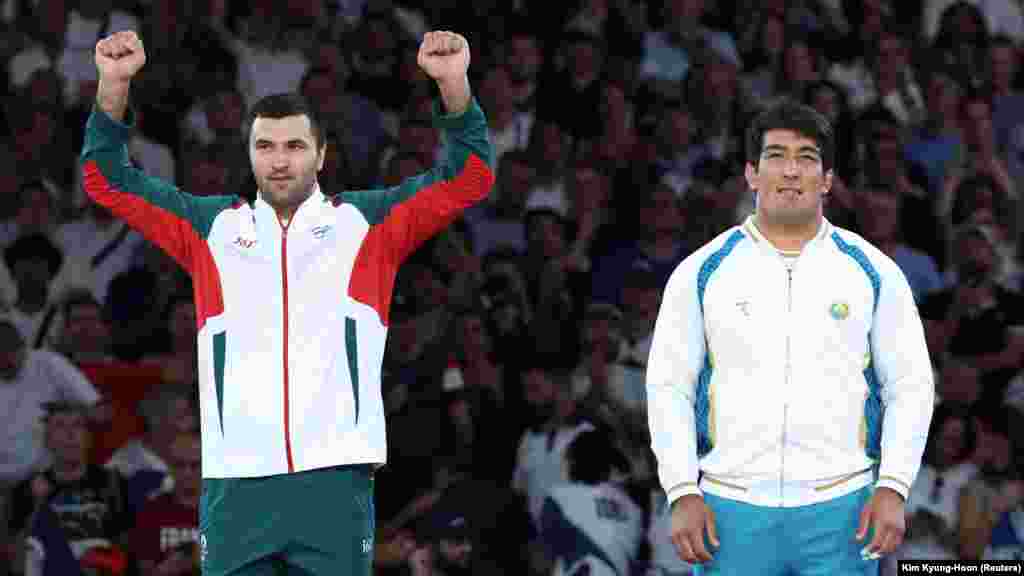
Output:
(790, 169)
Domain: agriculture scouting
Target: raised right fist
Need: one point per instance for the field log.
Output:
(119, 56)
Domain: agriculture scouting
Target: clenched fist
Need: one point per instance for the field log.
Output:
(119, 56)
(443, 55)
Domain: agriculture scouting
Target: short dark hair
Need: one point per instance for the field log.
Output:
(794, 116)
(283, 105)
(592, 457)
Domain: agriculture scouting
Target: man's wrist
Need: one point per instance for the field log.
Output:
(112, 97)
(454, 93)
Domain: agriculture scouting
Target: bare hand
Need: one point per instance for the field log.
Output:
(691, 516)
(885, 512)
(444, 56)
(119, 56)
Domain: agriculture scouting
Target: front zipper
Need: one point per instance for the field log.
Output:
(284, 286)
(785, 405)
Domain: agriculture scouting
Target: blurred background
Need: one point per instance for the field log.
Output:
(524, 327)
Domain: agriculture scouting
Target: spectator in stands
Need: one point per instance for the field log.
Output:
(959, 382)
(165, 536)
(590, 524)
(377, 43)
(473, 354)
(510, 128)
(524, 59)
(84, 336)
(763, 58)
(96, 248)
(550, 148)
(895, 85)
(177, 353)
(445, 543)
(87, 22)
(641, 298)
(610, 392)
(507, 308)
(933, 503)
(975, 318)
(355, 122)
(30, 379)
(981, 158)
(961, 42)
(1004, 65)
(999, 16)
(885, 164)
(573, 96)
(41, 148)
(670, 50)
(33, 262)
(217, 118)
(800, 66)
(36, 212)
(879, 215)
(830, 100)
(209, 170)
(167, 411)
(154, 157)
(617, 147)
(72, 509)
(981, 201)
(680, 149)
(937, 146)
(994, 492)
(654, 243)
(589, 189)
(557, 281)
(553, 421)
(499, 220)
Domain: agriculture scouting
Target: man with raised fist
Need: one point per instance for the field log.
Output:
(292, 294)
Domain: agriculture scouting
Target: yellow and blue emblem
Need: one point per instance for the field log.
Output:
(839, 310)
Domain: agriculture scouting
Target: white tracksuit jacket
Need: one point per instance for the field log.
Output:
(782, 386)
(292, 319)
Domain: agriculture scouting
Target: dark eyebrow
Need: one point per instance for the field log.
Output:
(780, 148)
(289, 142)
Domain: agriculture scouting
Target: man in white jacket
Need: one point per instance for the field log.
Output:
(789, 387)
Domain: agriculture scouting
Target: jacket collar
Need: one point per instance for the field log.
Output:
(307, 216)
(751, 230)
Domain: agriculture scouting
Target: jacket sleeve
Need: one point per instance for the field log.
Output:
(673, 367)
(160, 212)
(904, 370)
(410, 213)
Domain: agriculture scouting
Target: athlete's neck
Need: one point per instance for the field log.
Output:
(785, 237)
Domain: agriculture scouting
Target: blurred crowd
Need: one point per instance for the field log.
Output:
(514, 371)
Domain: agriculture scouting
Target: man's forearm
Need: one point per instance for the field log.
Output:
(112, 98)
(455, 94)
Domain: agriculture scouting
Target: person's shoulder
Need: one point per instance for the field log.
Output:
(51, 359)
(711, 252)
(864, 252)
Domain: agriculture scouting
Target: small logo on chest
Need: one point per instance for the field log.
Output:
(320, 231)
(244, 242)
(839, 310)
(744, 307)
